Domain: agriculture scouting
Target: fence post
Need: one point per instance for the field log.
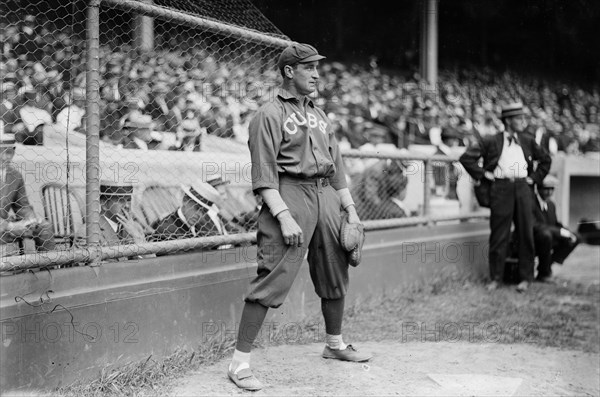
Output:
(92, 112)
(426, 187)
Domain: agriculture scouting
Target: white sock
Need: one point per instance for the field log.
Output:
(335, 342)
(239, 361)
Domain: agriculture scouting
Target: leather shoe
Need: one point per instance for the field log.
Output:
(522, 287)
(492, 286)
(348, 354)
(545, 279)
(245, 379)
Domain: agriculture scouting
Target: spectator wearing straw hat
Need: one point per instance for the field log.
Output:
(157, 106)
(34, 119)
(8, 106)
(508, 165)
(137, 132)
(117, 225)
(17, 218)
(198, 215)
(71, 117)
(553, 241)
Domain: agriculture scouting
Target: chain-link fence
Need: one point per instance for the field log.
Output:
(131, 117)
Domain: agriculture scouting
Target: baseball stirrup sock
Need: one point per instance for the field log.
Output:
(333, 314)
(239, 361)
(335, 342)
(253, 316)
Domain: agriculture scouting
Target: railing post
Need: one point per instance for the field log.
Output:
(92, 112)
(426, 187)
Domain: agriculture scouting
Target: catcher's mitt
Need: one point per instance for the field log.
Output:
(352, 237)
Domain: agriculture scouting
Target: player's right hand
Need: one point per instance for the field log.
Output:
(291, 231)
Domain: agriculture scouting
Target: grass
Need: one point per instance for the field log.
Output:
(452, 307)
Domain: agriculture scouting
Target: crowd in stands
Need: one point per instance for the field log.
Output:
(172, 99)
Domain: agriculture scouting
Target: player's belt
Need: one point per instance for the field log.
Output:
(284, 178)
(511, 179)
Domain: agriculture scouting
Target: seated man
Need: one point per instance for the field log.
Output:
(17, 219)
(553, 241)
(117, 226)
(235, 211)
(198, 216)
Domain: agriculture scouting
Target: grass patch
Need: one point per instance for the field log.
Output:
(452, 307)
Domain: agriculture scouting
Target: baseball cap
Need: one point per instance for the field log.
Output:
(298, 53)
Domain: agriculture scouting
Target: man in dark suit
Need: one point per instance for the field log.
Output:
(198, 216)
(17, 219)
(508, 163)
(553, 241)
(117, 226)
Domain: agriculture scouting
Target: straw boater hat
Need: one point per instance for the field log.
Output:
(7, 140)
(217, 180)
(202, 193)
(512, 110)
(112, 188)
(550, 181)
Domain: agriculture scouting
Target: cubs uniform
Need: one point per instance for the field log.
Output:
(297, 169)
(294, 150)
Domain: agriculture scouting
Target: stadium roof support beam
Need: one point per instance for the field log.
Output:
(429, 41)
(197, 22)
(143, 31)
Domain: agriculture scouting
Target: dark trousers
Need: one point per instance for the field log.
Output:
(511, 201)
(551, 247)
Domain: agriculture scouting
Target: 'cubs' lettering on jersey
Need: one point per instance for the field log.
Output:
(297, 119)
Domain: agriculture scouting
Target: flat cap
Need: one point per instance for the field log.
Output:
(298, 53)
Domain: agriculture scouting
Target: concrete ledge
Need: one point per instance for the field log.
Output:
(61, 325)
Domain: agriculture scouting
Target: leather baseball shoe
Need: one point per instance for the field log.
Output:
(244, 379)
(348, 354)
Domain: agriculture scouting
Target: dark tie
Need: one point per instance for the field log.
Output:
(512, 139)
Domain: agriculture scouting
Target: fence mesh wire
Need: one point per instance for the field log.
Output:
(175, 102)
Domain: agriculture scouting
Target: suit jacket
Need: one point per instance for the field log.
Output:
(109, 237)
(547, 218)
(13, 197)
(490, 148)
(171, 227)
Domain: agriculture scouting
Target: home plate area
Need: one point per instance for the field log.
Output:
(408, 369)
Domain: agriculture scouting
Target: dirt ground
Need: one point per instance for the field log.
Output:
(410, 369)
(428, 368)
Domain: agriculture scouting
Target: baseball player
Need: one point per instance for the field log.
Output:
(297, 169)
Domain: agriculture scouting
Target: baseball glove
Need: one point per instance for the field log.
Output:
(352, 237)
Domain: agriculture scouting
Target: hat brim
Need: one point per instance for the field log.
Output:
(513, 113)
(312, 58)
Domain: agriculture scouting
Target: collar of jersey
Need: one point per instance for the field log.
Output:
(287, 96)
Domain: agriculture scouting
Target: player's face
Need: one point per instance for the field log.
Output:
(117, 205)
(546, 192)
(306, 77)
(6, 155)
